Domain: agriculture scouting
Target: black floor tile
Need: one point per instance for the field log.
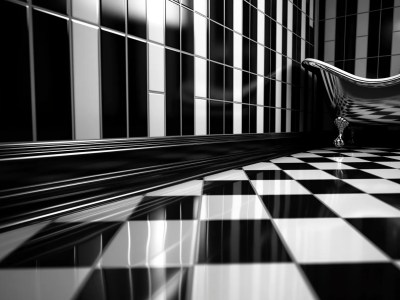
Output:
(379, 158)
(383, 232)
(268, 175)
(137, 283)
(167, 208)
(354, 281)
(227, 188)
(396, 180)
(367, 165)
(328, 186)
(240, 241)
(295, 166)
(63, 245)
(315, 159)
(351, 174)
(296, 206)
(391, 199)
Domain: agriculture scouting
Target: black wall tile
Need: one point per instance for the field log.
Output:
(341, 8)
(137, 60)
(373, 33)
(253, 118)
(339, 41)
(113, 85)
(374, 4)
(372, 67)
(386, 32)
(216, 81)
(59, 6)
(267, 32)
(172, 25)
(187, 33)
(228, 94)
(384, 66)
(137, 18)
(217, 11)
(387, 3)
(266, 119)
(228, 118)
(253, 89)
(229, 47)
(253, 23)
(253, 57)
(15, 104)
(112, 14)
(350, 37)
(187, 94)
(216, 117)
(229, 13)
(216, 42)
(351, 7)
(245, 54)
(172, 93)
(245, 87)
(245, 118)
(246, 19)
(52, 77)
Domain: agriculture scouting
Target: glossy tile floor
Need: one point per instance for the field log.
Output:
(324, 224)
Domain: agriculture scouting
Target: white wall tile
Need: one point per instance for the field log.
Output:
(279, 6)
(237, 85)
(86, 81)
(330, 29)
(289, 44)
(200, 117)
(237, 16)
(155, 20)
(156, 114)
(260, 90)
(200, 38)
(363, 6)
(278, 94)
(260, 60)
(361, 46)
(330, 9)
(87, 10)
(237, 50)
(237, 118)
(329, 51)
(362, 24)
(396, 43)
(260, 119)
(260, 27)
(278, 66)
(361, 67)
(303, 50)
(279, 38)
(396, 19)
(289, 64)
(278, 121)
(156, 68)
(261, 5)
(200, 6)
(290, 16)
(200, 77)
(396, 2)
(288, 121)
(395, 65)
(303, 24)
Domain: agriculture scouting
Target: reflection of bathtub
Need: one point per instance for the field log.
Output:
(360, 100)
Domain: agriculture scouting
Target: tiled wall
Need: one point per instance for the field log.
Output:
(90, 69)
(361, 37)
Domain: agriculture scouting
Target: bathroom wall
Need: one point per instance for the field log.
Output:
(361, 37)
(91, 69)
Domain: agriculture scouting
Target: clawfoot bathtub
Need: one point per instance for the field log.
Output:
(358, 100)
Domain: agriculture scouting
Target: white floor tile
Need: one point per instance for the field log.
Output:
(384, 173)
(309, 174)
(394, 157)
(331, 166)
(305, 154)
(342, 159)
(286, 159)
(152, 243)
(228, 175)
(321, 151)
(391, 164)
(370, 150)
(249, 281)
(41, 284)
(10, 240)
(261, 166)
(374, 186)
(232, 207)
(359, 154)
(326, 240)
(116, 211)
(358, 206)
(190, 188)
(279, 187)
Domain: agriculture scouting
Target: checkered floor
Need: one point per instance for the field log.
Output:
(321, 224)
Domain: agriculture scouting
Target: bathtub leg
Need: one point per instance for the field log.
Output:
(341, 124)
